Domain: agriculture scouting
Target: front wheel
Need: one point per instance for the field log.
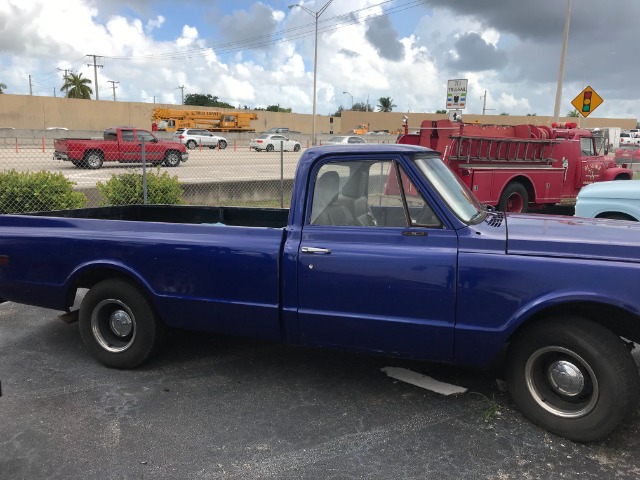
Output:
(118, 325)
(172, 159)
(514, 198)
(573, 377)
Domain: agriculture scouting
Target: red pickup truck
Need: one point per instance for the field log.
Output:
(120, 144)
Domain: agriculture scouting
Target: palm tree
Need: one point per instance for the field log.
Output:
(385, 104)
(76, 86)
(572, 113)
(2, 87)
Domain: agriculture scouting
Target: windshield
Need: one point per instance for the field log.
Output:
(450, 188)
(335, 139)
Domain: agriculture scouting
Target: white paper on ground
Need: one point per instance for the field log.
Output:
(422, 381)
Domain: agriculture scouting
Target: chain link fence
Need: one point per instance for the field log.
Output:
(235, 175)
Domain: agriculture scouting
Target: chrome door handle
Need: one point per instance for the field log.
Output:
(315, 250)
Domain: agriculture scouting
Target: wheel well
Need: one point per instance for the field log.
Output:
(526, 183)
(616, 215)
(617, 320)
(622, 176)
(89, 278)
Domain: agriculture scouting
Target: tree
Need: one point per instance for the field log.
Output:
(361, 107)
(572, 113)
(77, 87)
(277, 108)
(505, 114)
(385, 104)
(441, 111)
(202, 100)
(532, 114)
(338, 112)
(2, 87)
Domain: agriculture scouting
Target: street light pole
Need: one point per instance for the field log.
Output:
(316, 15)
(563, 55)
(347, 93)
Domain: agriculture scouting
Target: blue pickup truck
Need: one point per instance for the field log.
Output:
(383, 250)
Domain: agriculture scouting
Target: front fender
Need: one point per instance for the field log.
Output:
(617, 173)
(480, 347)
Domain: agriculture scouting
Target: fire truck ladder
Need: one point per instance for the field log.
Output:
(517, 150)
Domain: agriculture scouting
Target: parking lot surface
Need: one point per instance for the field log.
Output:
(213, 407)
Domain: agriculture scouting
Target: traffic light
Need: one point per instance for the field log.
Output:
(586, 102)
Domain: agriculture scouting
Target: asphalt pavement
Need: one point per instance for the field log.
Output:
(214, 407)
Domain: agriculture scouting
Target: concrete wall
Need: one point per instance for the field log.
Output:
(26, 112)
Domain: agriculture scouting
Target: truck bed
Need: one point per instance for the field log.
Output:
(235, 216)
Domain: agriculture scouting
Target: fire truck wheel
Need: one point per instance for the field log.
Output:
(514, 198)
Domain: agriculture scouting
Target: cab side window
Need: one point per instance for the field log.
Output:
(368, 194)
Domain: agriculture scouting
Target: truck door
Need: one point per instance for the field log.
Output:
(154, 151)
(376, 270)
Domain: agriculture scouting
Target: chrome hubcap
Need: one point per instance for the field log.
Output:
(121, 323)
(566, 378)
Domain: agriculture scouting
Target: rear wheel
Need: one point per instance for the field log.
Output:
(93, 160)
(514, 198)
(118, 325)
(172, 159)
(222, 144)
(269, 148)
(573, 377)
(191, 144)
(296, 147)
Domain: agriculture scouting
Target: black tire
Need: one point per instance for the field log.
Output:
(573, 377)
(514, 198)
(172, 158)
(222, 144)
(93, 160)
(118, 325)
(269, 148)
(296, 147)
(191, 144)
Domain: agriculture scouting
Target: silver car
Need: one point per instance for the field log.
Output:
(195, 137)
(344, 140)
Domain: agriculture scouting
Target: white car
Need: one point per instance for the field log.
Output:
(195, 137)
(615, 199)
(269, 143)
(344, 140)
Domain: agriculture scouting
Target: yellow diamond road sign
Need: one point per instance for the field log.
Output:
(587, 101)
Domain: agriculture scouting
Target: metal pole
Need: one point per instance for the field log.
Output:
(144, 173)
(281, 174)
(563, 55)
(315, 76)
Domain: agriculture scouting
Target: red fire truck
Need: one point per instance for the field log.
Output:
(519, 167)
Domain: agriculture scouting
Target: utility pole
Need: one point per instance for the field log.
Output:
(54, 92)
(65, 79)
(181, 87)
(30, 86)
(563, 56)
(484, 103)
(95, 72)
(113, 84)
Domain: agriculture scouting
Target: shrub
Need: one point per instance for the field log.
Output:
(22, 192)
(126, 189)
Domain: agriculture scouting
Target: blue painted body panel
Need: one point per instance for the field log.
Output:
(454, 294)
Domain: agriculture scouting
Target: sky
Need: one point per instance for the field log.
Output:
(260, 53)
